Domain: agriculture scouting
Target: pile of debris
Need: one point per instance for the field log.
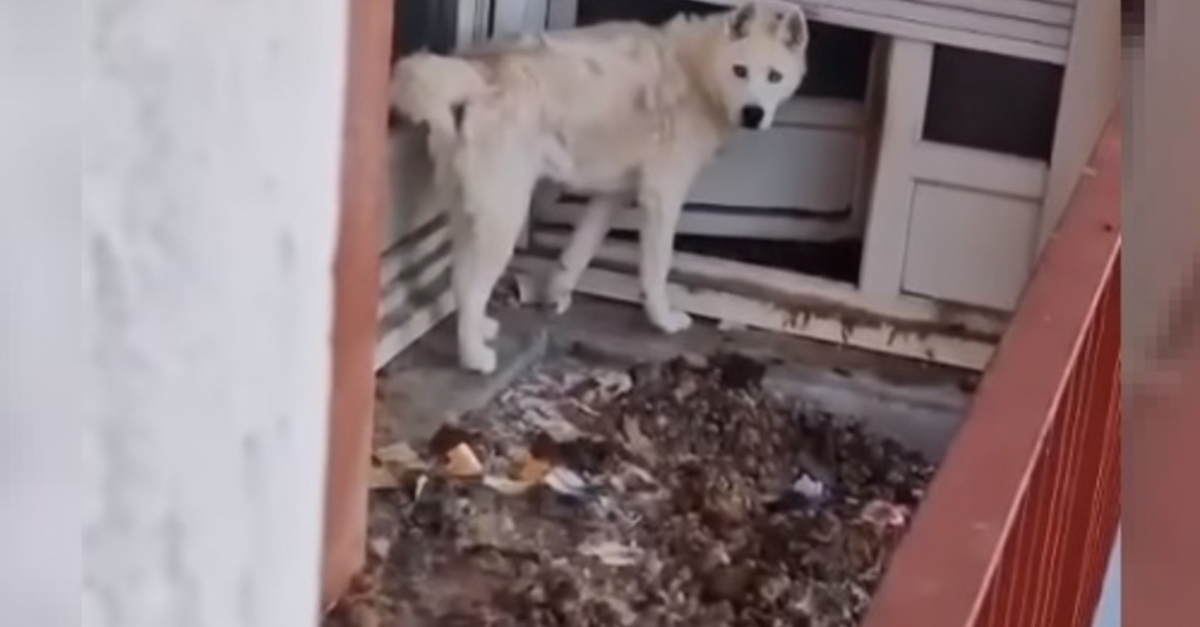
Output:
(670, 494)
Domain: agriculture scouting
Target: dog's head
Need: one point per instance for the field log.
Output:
(761, 61)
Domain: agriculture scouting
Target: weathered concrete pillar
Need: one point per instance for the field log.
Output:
(211, 194)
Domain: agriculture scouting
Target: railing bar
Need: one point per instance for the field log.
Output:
(1033, 552)
(1050, 475)
(1012, 556)
(1108, 476)
(1100, 491)
(1090, 530)
(1069, 413)
(1018, 555)
(1106, 414)
(1077, 451)
(1085, 605)
(1055, 527)
(1064, 490)
(987, 613)
(1049, 479)
(1092, 454)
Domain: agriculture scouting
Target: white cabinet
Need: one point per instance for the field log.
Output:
(969, 246)
(807, 162)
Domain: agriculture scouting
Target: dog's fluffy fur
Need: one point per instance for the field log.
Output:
(623, 112)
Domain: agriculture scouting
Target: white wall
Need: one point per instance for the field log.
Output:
(39, 311)
(1090, 97)
(210, 199)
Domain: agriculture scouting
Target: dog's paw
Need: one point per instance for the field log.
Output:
(561, 303)
(672, 321)
(558, 295)
(481, 360)
(490, 328)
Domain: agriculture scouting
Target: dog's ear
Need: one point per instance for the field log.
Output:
(739, 21)
(795, 31)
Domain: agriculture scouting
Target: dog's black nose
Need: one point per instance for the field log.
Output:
(752, 116)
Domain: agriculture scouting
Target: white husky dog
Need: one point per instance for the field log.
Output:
(624, 112)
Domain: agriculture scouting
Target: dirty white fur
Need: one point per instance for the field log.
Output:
(624, 112)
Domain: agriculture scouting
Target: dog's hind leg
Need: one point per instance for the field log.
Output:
(585, 242)
(485, 235)
(442, 194)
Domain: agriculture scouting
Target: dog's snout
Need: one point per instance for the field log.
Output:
(752, 116)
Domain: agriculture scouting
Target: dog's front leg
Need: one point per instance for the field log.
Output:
(661, 206)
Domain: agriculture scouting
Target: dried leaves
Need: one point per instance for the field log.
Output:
(612, 553)
(678, 489)
(462, 463)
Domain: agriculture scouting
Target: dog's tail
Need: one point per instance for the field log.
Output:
(434, 89)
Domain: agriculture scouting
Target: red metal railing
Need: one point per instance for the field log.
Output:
(364, 190)
(1018, 525)
(1053, 561)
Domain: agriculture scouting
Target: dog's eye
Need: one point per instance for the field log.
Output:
(740, 71)
(774, 76)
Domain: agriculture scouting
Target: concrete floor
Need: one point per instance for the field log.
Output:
(916, 404)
